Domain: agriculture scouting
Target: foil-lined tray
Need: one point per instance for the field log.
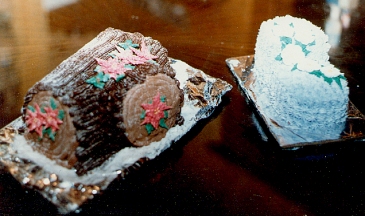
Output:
(241, 67)
(202, 94)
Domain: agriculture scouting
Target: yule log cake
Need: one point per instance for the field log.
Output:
(119, 90)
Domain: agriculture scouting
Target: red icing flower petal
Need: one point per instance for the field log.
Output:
(35, 120)
(51, 119)
(144, 53)
(39, 131)
(112, 66)
(38, 121)
(154, 111)
(127, 57)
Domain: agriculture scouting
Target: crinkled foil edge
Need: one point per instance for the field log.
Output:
(200, 89)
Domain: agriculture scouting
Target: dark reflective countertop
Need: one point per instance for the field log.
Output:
(224, 165)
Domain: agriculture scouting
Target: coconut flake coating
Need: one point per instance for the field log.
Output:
(310, 106)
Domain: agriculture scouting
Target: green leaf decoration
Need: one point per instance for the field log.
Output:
(128, 43)
(291, 25)
(129, 66)
(286, 40)
(278, 58)
(327, 79)
(45, 130)
(104, 77)
(338, 81)
(42, 109)
(317, 73)
(163, 98)
(98, 69)
(51, 135)
(95, 82)
(120, 77)
(312, 43)
(303, 46)
(149, 128)
(61, 114)
(163, 123)
(166, 114)
(294, 67)
(143, 114)
(31, 108)
(53, 104)
(99, 80)
(306, 52)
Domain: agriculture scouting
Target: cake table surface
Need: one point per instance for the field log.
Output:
(224, 165)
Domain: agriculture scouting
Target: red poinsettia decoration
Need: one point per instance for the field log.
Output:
(144, 54)
(124, 58)
(127, 57)
(155, 111)
(52, 119)
(34, 120)
(112, 67)
(45, 120)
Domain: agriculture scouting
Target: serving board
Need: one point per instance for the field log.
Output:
(68, 191)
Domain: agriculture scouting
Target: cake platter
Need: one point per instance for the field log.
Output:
(68, 191)
(241, 67)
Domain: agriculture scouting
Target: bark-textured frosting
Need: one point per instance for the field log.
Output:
(98, 114)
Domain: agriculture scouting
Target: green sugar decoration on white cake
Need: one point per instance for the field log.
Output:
(295, 84)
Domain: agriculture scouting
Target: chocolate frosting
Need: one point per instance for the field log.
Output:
(98, 114)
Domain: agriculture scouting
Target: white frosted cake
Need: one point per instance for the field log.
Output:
(295, 84)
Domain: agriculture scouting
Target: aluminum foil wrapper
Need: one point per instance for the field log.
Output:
(68, 191)
(241, 67)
